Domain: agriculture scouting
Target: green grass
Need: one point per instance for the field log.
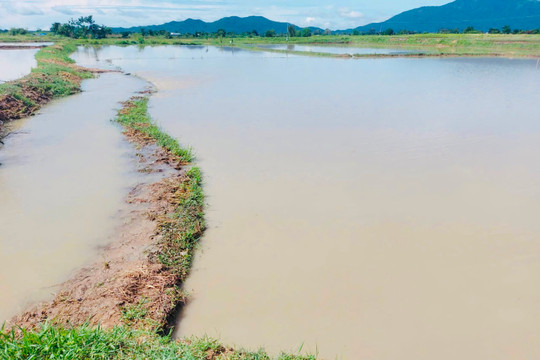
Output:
(135, 116)
(182, 232)
(52, 342)
(520, 45)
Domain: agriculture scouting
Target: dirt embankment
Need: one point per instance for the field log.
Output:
(128, 284)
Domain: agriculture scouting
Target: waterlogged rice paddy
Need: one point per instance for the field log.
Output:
(361, 209)
(64, 175)
(338, 50)
(16, 63)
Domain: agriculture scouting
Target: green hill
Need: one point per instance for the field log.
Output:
(481, 14)
(232, 24)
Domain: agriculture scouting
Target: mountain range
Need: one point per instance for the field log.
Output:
(459, 14)
(233, 24)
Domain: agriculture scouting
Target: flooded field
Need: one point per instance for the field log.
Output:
(368, 209)
(16, 63)
(340, 50)
(63, 177)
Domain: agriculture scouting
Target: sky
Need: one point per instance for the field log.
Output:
(343, 14)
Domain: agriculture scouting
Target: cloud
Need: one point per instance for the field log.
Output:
(310, 20)
(350, 14)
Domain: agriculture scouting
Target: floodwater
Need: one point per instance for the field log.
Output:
(64, 174)
(340, 50)
(366, 209)
(16, 63)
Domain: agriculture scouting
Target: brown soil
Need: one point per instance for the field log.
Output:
(20, 47)
(125, 276)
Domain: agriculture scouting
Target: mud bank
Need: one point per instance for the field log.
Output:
(131, 283)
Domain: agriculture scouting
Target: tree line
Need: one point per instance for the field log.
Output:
(83, 27)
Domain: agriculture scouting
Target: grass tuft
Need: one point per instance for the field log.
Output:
(135, 115)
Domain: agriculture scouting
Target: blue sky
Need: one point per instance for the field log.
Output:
(342, 14)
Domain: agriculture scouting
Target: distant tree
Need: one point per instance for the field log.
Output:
(221, 33)
(18, 31)
(254, 32)
(449, 31)
(327, 32)
(506, 29)
(306, 32)
(291, 30)
(494, 31)
(125, 34)
(270, 33)
(143, 32)
(55, 27)
(356, 32)
(83, 27)
(388, 32)
(470, 30)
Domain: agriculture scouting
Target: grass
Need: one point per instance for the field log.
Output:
(134, 115)
(52, 342)
(181, 232)
(520, 45)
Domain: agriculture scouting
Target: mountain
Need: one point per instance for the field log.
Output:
(481, 14)
(233, 24)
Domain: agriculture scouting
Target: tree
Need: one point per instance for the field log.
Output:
(221, 33)
(506, 29)
(270, 33)
(55, 28)
(18, 31)
(306, 32)
(470, 30)
(388, 32)
(494, 31)
(356, 32)
(291, 30)
(83, 27)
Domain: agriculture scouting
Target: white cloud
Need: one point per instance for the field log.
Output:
(310, 20)
(351, 14)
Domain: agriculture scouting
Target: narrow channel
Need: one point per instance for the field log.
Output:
(64, 175)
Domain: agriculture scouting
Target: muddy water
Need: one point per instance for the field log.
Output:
(16, 63)
(63, 178)
(368, 209)
(340, 50)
